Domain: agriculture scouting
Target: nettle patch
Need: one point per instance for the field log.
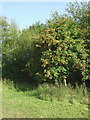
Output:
(63, 50)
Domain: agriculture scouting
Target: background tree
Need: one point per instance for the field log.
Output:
(18, 50)
(9, 37)
(79, 12)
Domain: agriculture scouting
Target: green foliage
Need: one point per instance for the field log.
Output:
(17, 50)
(9, 38)
(79, 12)
(34, 64)
(48, 52)
(14, 50)
(63, 50)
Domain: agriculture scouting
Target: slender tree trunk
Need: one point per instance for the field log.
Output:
(65, 82)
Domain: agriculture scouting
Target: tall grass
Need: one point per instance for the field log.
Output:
(49, 92)
(45, 101)
(64, 93)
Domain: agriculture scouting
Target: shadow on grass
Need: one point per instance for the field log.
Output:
(20, 86)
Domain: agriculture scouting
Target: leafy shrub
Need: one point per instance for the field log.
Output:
(63, 50)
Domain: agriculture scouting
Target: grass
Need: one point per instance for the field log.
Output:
(44, 101)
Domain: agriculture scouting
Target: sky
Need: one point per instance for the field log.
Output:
(28, 13)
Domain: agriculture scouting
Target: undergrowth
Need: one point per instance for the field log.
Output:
(49, 92)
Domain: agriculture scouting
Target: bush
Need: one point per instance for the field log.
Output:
(63, 50)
